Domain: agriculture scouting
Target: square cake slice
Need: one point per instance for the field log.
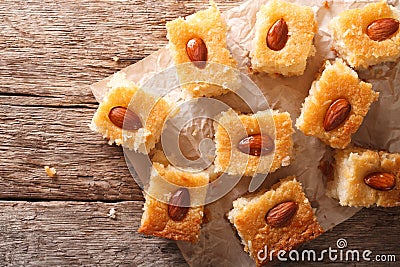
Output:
(236, 137)
(363, 178)
(284, 34)
(200, 42)
(367, 36)
(130, 117)
(336, 105)
(278, 219)
(174, 203)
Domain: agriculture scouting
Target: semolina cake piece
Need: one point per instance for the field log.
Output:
(272, 128)
(131, 117)
(174, 203)
(363, 178)
(200, 42)
(279, 219)
(367, 36)
(288, 57)
(158, 155)
(336, 105)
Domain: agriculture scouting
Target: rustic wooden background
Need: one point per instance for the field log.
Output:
(50, 52)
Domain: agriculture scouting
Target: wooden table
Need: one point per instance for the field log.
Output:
(51, 51)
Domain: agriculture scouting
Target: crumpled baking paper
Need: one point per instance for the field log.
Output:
(219, 244)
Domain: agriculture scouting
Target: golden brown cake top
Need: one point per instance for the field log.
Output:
(337, 81)
(350, 33)
(352, 165)
(156, 220)
(207, 25)
(291, 59)
(248, 216)
(229, 133)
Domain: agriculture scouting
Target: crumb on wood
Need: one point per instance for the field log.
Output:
(51, 172)
(115, 58)
(112, 214)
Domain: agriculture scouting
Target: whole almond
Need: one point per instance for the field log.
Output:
(382, 29)
(256, 144)
(124, 118)
(281, 214)
(278, 35)
(382, 181)
(197, 52)
(179, 204)
(336, 114)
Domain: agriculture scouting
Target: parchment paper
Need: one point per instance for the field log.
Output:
(219, 244)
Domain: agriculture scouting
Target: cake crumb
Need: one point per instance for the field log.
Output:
(115, 58)
(51, 172)
(112, 214)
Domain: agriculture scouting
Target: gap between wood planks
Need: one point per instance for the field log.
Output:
(33, 200)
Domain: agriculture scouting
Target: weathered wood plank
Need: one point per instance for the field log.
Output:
(56, 49)
(50, 52)
(79, 234)
(374, 229)
(87, 167)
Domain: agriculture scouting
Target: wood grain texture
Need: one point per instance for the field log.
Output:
(79, 234)
(51, 51)
(64, 233)
(374, 229)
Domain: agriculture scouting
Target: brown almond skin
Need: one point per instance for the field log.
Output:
(382, 29)
(336, 114)
(281, 214)
(197, 52)
(256, 145)
(278, 35)
(381, 181)
(124, 118)
(178, 205)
